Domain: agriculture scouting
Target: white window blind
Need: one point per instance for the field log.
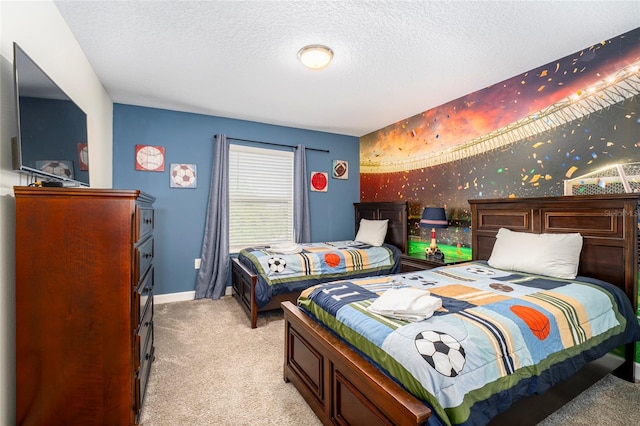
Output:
(260, 196)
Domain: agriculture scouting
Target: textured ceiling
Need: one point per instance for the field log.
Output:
(392, 59)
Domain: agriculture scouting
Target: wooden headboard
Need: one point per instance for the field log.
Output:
(608, 224)
(396, 211)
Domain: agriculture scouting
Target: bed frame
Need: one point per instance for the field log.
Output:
(244, 281)
(343, 388)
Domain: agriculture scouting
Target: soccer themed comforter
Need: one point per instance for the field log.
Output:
(498, 336)
(285, 270)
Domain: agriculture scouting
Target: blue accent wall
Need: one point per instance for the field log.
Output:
(180, 213)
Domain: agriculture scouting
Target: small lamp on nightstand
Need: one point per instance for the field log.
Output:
(434, 217)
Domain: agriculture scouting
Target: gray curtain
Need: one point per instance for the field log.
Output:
(301, 215)
(213, 275)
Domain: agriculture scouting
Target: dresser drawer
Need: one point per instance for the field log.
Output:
(142, 378)
(144, 222)
(142, 298)
(143, 258)
(144, 336)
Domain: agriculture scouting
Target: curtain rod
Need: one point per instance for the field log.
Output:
(275, 144)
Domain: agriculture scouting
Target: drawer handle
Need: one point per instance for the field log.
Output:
(147, 255)
(147, 221)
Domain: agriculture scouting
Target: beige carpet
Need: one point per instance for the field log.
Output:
(211, 368)
(611, 401)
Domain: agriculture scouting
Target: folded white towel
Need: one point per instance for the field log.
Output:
(407, 303)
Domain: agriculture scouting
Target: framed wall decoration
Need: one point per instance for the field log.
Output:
(183, 176)
(83, 156)
(150, 158)
(340, 169)
(319, 181)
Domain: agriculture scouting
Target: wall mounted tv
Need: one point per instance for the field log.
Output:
(52, 129)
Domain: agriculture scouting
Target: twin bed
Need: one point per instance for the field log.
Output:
(502, 333)
(264, 277)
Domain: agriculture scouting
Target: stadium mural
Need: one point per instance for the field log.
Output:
(522, 137)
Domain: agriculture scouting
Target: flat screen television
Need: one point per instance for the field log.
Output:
(52, 129)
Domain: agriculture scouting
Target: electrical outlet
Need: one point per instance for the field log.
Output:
(196, 263)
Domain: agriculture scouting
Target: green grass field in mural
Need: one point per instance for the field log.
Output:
(450, 252)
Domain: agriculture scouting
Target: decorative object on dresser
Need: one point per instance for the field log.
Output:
(84, 304)
(255, 294)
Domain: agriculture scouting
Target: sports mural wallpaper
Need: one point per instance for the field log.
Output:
(519, 138)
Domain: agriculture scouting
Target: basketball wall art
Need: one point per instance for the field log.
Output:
(183, 176)
(150, 158)
(319, 181)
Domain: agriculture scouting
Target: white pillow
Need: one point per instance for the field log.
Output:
(372, 232)
(554, 255)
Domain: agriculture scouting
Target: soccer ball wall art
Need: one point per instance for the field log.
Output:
(183, 176)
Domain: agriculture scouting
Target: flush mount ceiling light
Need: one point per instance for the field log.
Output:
(315, 56)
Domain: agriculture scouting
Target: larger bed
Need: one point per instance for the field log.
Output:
(261, 285)
(339, 372)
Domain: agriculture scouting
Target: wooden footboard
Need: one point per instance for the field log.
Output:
(340, 386)
(243, 283)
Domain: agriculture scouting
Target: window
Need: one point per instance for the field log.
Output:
(260, 196)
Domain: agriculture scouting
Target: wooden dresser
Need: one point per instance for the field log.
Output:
(84, 305)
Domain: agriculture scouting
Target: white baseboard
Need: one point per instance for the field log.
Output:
(159, 299)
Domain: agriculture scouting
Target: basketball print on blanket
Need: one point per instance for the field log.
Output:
(444, 353)
(277, 264)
